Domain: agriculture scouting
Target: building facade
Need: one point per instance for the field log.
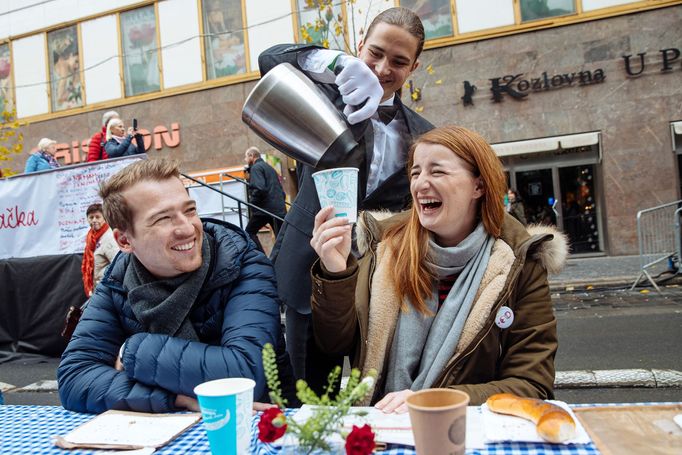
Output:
(582, 99)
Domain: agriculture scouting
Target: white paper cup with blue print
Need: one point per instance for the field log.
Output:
(226, 406)
(339, 188)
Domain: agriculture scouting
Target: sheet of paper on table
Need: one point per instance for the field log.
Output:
(393, 428)
(144, 451)
(500, 427)
(127, 430)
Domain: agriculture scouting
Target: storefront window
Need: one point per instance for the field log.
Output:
(140, 49)
(224, 41)
(532, 10)
(321, 23)
(579, 208)
(6, 100)
(677, 147)
(436, 15)
(679, 171)
(536, 189)
(65, 76)
(558, 186)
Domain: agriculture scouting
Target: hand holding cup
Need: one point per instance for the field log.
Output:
(338, 187)
(331, 239)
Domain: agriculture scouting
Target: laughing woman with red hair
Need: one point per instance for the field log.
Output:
(451, 293)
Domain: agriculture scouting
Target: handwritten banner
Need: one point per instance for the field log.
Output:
(44, 213)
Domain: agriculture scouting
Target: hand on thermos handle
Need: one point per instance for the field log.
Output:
(357, 85)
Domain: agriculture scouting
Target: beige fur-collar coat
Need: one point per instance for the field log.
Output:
(355, 313)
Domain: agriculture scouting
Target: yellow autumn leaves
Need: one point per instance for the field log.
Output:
(11, 141)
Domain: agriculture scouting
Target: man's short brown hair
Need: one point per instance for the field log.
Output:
(117, 212)
(94, 208)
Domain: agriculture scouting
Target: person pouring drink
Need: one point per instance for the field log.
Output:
(451, 293)
(367, 90)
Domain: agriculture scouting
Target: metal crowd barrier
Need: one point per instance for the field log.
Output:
(658, 233)
(239, 202)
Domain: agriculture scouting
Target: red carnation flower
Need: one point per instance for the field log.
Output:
(360, 441)
(272, 425)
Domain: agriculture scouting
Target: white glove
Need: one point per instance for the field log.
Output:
(358, 84)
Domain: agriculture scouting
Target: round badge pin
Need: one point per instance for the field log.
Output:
(504, 317)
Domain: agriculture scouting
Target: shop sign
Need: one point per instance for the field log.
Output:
(518, 86)
(669, 57)
(159, 137)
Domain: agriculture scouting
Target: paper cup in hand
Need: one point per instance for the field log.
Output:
(339, 188)
(438, 419)
(226, 410)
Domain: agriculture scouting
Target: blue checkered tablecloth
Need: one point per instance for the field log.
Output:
(31, 429)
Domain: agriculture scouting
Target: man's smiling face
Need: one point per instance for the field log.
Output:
(390, 52)
(166, 234)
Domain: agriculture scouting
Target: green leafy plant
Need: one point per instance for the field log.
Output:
(329, 28)
(11, 140)
(327, 414)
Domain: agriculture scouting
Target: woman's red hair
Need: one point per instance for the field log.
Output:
(409, 243)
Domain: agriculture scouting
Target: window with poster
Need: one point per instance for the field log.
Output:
(66, 89)
(224, 40)
(6, 94)
(140, 51)
(436, 15)
(532, 10)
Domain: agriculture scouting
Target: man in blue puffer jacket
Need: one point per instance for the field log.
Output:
(184, 303)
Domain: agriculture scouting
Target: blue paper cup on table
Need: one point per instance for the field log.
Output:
(339, 188)
(226, 411)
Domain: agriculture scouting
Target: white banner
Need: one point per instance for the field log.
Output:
(44, 213)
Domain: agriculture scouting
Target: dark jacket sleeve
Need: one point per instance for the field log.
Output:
(139, 140)
(88, 381)
(114, 149)
(282, 53)
(335, 320)
(526, 365)
(95, 147)
(258, 188)
(250, 320)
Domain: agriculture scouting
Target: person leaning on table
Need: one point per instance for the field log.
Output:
(186, 301)
(420, 306)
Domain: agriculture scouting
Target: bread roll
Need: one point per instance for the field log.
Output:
(552, 423)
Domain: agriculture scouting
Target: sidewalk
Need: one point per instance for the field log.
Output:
(604, 271)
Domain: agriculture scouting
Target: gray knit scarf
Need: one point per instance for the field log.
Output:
(423, 344)
(163, 306)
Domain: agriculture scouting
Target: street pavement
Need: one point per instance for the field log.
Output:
(603, 271)
(615, 345)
